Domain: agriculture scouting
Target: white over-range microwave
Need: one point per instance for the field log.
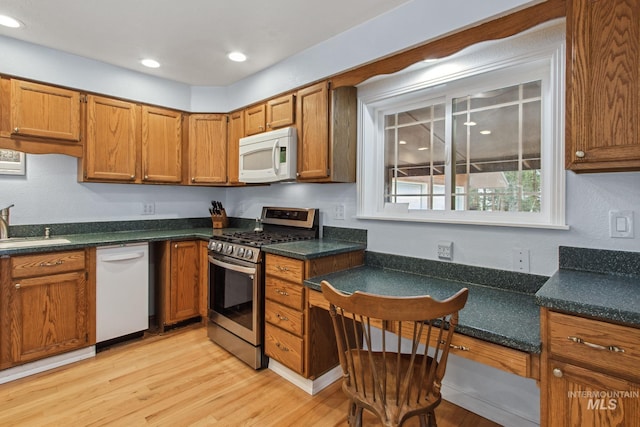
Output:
(268, 156)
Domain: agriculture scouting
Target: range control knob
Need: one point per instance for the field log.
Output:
(229, 249)
(218, 247)
(240, 252)
(248, 254)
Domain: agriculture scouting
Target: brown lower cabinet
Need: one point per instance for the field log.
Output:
(298, 335)
(178, 275)
(47, 305)
(589, 372)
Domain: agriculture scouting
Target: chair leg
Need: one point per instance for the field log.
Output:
(431, 416)
(355, 415)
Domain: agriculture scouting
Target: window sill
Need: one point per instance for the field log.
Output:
(399, 218)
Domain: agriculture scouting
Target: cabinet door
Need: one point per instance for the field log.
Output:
(603, 76)
(48, 315)
(112, 139)
(184, 287)
(236, 131)
(44, 111)
(161, 145)
(313, 132)
(254, 119)
(580, 397)
(207, 148)
(280, 112)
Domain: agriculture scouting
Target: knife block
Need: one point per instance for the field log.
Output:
(220, 220)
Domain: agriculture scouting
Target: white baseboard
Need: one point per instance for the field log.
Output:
(310, 386)
(42, 365)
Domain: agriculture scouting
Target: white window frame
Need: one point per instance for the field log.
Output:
(535, 55)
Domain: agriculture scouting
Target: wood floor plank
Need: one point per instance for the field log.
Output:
(179, 379)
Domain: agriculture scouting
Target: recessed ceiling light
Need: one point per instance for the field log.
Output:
(7, 21)
(237, 56)
(151, 63)
(469, 123)
(485, 132)
(430, 60)
(402, 142)
(423, 148)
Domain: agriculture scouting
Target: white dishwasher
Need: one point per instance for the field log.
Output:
(122, 290)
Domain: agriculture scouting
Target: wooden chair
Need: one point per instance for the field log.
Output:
(390, 377)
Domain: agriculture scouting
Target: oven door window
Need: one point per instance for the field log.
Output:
(232, 296)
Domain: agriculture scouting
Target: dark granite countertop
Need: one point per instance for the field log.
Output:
(82, 240)
(606, 296)
(595, 282)
(496, 315)
(310, 249)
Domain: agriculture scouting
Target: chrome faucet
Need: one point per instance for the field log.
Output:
(4, 222)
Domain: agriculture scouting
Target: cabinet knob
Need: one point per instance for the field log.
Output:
(18, 285)
(193, 179)
(580, 154)
(133, 177)
(268, 125)
(557, 372)
(16, 130)
(175, 246)
(146, 177)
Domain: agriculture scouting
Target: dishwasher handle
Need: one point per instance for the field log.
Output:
(122, 257)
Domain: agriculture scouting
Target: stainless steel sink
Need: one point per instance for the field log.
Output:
(13, 243)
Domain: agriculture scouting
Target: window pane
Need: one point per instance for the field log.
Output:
(414, 156)
(496, 144)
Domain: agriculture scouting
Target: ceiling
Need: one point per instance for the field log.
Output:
(191, 39)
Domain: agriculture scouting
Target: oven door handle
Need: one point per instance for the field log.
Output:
(233, 267)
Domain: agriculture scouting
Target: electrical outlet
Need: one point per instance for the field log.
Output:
(445, 250)
(148, 208)
(338, 211)
(520, 260)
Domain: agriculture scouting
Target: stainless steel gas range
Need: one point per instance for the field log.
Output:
(236, 279)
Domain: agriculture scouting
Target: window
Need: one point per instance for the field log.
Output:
(468, 140)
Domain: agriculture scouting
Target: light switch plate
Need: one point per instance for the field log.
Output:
(621, 224)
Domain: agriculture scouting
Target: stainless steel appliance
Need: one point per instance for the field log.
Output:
(236, 279)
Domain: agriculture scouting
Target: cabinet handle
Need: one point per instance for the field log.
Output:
(459, 347)
(612, 348)
(18, 285)
(282, 268)
(283, 293)
(51, 264)
(281, 347)
(286, 319)
(580, 154)
(557, 372)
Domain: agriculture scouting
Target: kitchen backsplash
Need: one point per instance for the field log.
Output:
(600, 261)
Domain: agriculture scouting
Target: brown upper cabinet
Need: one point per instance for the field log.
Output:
(275, 113)
(207, 149)
(113, 140)
(33, 113)
(281, 112)
(327, 133)
(161, 145)
(603, 86)
(254, 119)
(236, 131)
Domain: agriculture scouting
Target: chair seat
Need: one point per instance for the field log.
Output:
(367, 390)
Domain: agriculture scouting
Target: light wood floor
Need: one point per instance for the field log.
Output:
(178, 379)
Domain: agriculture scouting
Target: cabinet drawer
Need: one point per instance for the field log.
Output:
(285, 268)
(285, 317)
(46, 263)
(287, 293)
(614, 348)
(284, 347)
